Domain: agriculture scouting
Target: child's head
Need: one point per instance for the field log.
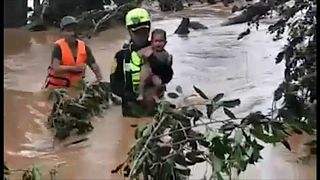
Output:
(158, 39)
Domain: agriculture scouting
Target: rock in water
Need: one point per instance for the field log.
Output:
(183, 28)
(185, 24)
(197, 25)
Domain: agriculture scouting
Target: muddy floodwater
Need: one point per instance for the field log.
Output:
(211, 59)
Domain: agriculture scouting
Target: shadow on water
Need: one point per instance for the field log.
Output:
(212, 59)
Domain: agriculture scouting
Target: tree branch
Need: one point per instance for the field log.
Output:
(137, 162)
(197, 125)
(107, 17)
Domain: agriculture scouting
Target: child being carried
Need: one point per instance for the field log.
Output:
(156, 69)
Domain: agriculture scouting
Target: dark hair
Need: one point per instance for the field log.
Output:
(160, 32)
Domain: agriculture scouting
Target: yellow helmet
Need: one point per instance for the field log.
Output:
(137, 17)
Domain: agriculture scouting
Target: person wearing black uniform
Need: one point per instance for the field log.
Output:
(125, 71)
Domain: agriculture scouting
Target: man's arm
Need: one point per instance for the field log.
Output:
(117, 77)
(56, 62)
(91, 62)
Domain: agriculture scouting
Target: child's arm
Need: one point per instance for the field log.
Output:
(170, 60)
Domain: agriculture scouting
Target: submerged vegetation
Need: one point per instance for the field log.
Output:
(167, 147)
(32, 173)
(70, 115)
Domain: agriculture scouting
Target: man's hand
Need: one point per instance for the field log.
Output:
(145, 52)
(66, 68)
(79, 68)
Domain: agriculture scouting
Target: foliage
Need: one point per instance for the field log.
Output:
(95, 21)
(70, 115)
(32, 173)
(167, 147)
(298, 90)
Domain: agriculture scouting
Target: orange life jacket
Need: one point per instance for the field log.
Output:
(66, 79)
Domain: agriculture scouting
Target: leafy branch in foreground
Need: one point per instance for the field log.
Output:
(30, 173)
(167, 147)
(70, 115)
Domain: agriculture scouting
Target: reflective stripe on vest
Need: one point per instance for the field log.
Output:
(67, 79)
(134, 68)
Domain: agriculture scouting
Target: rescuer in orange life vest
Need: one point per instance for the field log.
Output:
(69, 58)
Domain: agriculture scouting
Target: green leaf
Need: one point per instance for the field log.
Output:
(279, 57)
(179, 89)
(250, 151)
(6, 169)
(193, 156)
(180, 159)
(242, 165)
(36, 174)
(116, 170)
(167, 170)
(147, 131)
(286, 144)
(219, 176)
(229, 113)
(217, 163)
(278, 93)
(182, 169)
(126, 171)
(163, 150)
(138, 132)
(304, 127)
(27, 175)
(256, 152)
(178, 136)
(173, 95)
(238, 153)
(228, 126)
(185, 121)
(195, 113)
(210, 136)
(200, 92)
(218, 97)
(204, 143)
(238, 136)
(266, 138)
(311, 143)
(219, 149)
(209, 110)
(231, 103)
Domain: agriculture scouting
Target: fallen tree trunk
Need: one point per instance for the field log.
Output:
(255, 10)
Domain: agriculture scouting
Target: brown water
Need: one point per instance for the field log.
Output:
(211, 59)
